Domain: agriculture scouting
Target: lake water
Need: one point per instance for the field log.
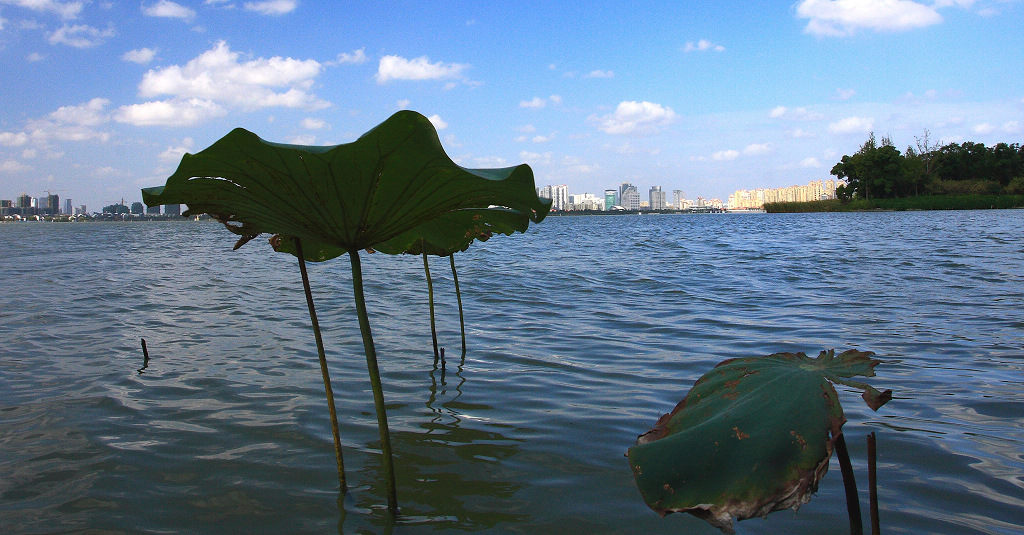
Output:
(581, 333)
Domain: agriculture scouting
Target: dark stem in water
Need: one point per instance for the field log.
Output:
(873, 485)
(378, 390)
(323, 366)
(852, 501)
(430, 297)
(458, 295)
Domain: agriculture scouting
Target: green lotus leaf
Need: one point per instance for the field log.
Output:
(753, 435)
(348, 197)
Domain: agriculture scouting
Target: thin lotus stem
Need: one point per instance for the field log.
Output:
(873, 485)
(323, 367)
(378, 390)
(458, 295)
(852, 501)
(430, 294)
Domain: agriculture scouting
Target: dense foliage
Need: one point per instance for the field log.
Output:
(880, 171)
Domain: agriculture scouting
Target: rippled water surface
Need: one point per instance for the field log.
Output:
(581, 333)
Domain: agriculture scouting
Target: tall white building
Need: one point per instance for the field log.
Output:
(657, 198)
(559, 196)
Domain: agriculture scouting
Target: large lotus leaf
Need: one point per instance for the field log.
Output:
(753, 435)
(442, 236)
(353, 196)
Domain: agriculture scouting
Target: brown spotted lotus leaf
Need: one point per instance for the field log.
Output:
(753, 435)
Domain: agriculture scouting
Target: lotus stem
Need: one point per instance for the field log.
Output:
(852, 501)
(458, 296)
(873, 485)
(378, 390)
(430, 297)
(323, 366)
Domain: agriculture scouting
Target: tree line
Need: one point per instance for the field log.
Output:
(878, 170)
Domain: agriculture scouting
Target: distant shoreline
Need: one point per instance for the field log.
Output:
(929, 202)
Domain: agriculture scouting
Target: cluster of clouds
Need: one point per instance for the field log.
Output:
(74, 34)
(841, 18)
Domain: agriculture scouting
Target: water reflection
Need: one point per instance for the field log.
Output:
(450, 472)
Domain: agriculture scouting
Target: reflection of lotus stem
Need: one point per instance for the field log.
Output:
(430, 294)
(323, 366)
(458, 295)
(850, 483)
(873, 485)
(378, 390)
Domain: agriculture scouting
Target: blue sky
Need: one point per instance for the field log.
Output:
(101, 98)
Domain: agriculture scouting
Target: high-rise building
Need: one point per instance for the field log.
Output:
(52, 204)
(656, 198)
(610, 198)
(153, 210)
(172, 209)
(629, 197)
(68, 210)
(678, 198)
(560, 197)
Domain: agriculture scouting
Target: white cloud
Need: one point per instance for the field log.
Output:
(799, 133)
(725, 155)
(490, 162)
(845, 17)
(536, 102)
(12, 166)
(311, 123)
(357, 57)
(702, 46)
(1012, 127)
(437, 122)
(170, 10)
(399, 68)
(527, 129)
(984, 128)
(89, 114)
(535, 158)
(810, 163)
(13, 139)
(108, 172)
(845, 94)
(600, 74)
(802, 114)
(186, 112)
(403, 104)
(272, 7)
(174, 153)
(631, 117)
(73, 123)
(218, 78)
(757, 149)
(80, 36)
(852, 125)
(139, 55)
(35, 56)
(67, 123)
(541, 139)
(66, 10)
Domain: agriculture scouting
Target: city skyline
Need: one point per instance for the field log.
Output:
(102, 99)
